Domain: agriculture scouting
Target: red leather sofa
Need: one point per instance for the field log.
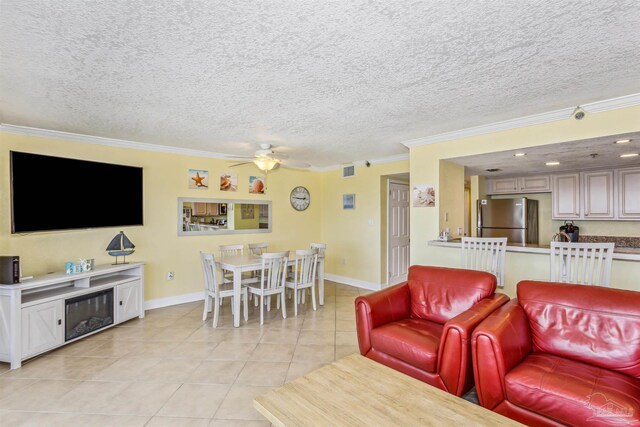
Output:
(561, 354)
(423, 327)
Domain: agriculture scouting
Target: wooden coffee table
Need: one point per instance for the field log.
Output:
(356, 391)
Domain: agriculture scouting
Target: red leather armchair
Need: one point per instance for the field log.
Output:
(423, 327)
(561, 354)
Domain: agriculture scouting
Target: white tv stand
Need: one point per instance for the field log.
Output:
(32, 313)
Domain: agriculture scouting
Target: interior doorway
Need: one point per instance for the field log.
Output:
(398, 255)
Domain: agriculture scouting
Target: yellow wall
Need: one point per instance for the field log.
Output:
(355, 235)
(157, 242)
(425, 168)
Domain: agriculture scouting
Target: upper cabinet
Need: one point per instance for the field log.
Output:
(522, 184)
(597, 195)
(628, 182)
(565, 196)
(535, 184)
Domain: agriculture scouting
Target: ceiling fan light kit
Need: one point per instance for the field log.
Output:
(265, 164)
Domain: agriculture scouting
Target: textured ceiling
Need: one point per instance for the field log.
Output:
(327, 82)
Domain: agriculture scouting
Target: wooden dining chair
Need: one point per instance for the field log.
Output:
(581, 263)
(272, 282)
(304, 277)
(231, 250)
(257, 249)
(320, 247)
(484, 254)
(214, 292)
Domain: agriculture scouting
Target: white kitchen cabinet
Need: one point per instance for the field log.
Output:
(502, 185)
(128, 301)
(565, 200)
(42, 327)
(518, 185)
(628, 181)
(597, 195)
(534, 184)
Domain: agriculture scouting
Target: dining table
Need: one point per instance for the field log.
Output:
(238, 264)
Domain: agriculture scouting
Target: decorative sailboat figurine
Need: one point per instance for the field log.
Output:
(120, 246)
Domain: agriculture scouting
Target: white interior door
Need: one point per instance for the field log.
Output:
(398, 232)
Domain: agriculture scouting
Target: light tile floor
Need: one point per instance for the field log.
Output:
(171, 369)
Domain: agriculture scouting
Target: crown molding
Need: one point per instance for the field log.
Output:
(379, 161)
(612, 104)
(109, 142)
(123, 143)
(536, 119)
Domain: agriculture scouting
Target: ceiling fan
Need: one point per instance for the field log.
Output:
(266, 159)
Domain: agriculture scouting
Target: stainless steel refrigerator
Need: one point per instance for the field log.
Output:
(515, 219)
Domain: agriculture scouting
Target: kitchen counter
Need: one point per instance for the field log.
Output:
(619, 253)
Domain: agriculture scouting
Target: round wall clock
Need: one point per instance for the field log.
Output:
(300, 198)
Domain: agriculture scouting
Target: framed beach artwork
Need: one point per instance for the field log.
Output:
(198, 179)
(256, 184)
(228, 182)
(247, 211)
(348, 201)
(424, 196)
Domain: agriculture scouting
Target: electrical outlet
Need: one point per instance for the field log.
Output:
(344, 260)
(170, 275)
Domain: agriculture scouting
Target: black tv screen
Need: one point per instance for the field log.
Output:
(55, 193)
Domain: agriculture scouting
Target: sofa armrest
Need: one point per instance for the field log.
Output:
(379, 308)
(454, 354)
(499, 343)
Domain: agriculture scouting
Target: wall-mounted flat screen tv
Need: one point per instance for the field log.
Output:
(55, 193)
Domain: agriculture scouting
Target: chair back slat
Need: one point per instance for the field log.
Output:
(274, 270)
(257, 249)
(231, 250)
(581, 263)
(485, 254)
(320, 247)
(304, 270)
(209, 271)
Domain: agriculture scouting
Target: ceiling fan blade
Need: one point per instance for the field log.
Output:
(240, 164)
(248, 158)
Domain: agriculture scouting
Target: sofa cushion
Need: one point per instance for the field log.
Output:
(414, 341)
(572, 392)
(595, 325)
(439, 294)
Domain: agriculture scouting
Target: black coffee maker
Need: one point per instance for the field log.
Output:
(570, 230)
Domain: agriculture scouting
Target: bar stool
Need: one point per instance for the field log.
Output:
(485, 254)
(581, 263)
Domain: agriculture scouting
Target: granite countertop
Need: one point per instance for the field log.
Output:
(622, 251)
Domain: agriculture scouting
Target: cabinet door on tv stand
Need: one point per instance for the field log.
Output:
(42, 328)
(128, 301)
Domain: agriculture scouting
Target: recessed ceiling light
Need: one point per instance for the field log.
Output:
(629, 155)
(622, 141)
(552, 163)
(519, 154)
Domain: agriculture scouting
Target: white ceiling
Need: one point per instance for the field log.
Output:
(327, 82)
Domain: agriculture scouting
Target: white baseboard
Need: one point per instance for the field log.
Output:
(199, 296)
(353, 282)
(174, 300)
